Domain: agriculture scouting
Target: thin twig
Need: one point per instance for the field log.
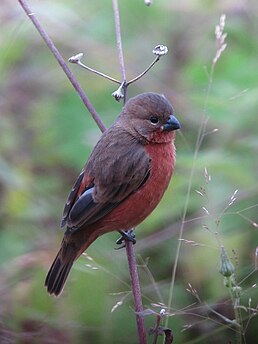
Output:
(199, 140)
(144, 72)
(119, 47)
(136, 291)
(156, 330)
(187, 200)
(98, 73)
(128, 244)
(159, 50)
(62, 63)
(77, 60)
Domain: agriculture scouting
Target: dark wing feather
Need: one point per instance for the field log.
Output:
(119, 165)
(85, 210)
(73, 195)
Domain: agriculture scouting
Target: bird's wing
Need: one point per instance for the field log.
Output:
(74, 194)
(118, 168)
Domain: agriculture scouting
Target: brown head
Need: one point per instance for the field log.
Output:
(149, 117)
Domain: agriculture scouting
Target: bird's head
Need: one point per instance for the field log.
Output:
(149, 117)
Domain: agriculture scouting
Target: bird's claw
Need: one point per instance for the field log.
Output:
(125, 236)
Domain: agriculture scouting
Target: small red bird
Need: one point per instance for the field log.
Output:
(123, 181)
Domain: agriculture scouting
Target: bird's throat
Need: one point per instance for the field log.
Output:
(161, 137)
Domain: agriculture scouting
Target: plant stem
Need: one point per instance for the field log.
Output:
(128, 244)
(62, 63)
(199, 140)
(144, 72)
(173, 277)
(119, 47)
(156, 333)
(136, 290)
(97, 72)
(237, 312)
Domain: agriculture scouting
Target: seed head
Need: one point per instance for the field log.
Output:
(226, 267)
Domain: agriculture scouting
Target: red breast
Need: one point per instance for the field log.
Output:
(140, 204)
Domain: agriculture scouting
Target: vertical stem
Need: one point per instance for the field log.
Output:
(237, 312)
(119, 40)
(119, 46)
(196, 152)
(62, 63)
(136, 291)
(128, 244)
(156, 333)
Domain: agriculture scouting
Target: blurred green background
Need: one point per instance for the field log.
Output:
(46, 135)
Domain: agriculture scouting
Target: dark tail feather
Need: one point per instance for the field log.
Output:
(57, 275)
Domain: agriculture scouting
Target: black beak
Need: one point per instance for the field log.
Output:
(171, 124)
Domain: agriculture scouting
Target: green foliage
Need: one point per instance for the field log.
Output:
(47, 135)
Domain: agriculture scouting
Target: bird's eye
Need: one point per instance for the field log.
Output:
(154, 120)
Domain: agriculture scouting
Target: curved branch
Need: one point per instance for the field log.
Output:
(62, 63)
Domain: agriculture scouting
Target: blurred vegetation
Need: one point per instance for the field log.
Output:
(46, 136)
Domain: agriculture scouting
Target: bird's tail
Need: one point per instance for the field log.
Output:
(59, 270)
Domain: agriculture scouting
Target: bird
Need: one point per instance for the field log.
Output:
(122, 182)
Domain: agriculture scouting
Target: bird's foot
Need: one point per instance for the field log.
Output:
(126, 236)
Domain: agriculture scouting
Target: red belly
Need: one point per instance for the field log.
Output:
(140, 204)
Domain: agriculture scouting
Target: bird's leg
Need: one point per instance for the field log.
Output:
(126, 235)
